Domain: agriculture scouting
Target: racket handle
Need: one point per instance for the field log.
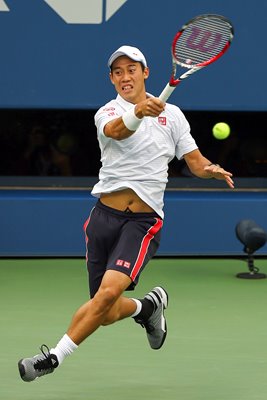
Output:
(167, 91)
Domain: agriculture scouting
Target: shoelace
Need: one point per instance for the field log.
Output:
(45, 364)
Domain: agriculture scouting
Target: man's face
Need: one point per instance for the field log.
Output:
(129, 79)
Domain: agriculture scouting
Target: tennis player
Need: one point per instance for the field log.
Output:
(138, 136)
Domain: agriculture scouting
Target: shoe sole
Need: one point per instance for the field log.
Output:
(21, 369)
(165, 301)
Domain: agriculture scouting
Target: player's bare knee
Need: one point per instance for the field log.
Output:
(106, 297)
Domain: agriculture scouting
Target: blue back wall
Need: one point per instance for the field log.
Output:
(54, 52)
(50, 222)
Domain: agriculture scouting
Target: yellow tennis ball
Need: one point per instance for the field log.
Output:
(221, 130)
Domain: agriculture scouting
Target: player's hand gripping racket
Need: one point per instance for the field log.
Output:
(199, 43)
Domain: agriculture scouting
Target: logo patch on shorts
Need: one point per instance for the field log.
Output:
(127, 264)
(122, 263)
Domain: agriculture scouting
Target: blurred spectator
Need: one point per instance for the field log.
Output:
(64, 143)
(42, 158)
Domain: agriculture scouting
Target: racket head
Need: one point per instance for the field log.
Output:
(202, 40)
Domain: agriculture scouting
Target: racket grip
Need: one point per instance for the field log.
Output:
(167, 91)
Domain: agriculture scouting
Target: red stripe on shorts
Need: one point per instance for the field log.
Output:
(144, 247)
(86, 224)
(86, 237)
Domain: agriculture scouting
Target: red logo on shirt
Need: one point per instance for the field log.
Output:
(162, 120)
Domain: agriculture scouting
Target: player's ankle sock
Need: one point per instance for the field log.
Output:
(144, 309)
(64, 348)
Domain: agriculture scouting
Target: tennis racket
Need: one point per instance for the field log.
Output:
(199, 43)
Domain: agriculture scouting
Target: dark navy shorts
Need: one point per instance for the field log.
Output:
(120, 241)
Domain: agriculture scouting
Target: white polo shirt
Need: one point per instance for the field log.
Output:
(140, 162)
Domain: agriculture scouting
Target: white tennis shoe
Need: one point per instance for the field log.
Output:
(155, 325)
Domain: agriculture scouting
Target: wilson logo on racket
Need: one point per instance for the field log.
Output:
(204, 41)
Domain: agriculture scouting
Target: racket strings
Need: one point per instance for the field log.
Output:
(202, 40)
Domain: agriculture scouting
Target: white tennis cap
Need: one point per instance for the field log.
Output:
(132, 52)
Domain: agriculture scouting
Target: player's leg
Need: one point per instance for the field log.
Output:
(95, 312)
(85, 321)
(138, 242)
(123, 308)
(101, 230)
(137, 239)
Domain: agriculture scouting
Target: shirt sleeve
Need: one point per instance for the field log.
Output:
(185, 142)
(106, 114)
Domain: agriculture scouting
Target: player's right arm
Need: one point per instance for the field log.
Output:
(124, 126)
(116, 129)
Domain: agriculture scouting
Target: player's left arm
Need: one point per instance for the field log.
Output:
(204, 168)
